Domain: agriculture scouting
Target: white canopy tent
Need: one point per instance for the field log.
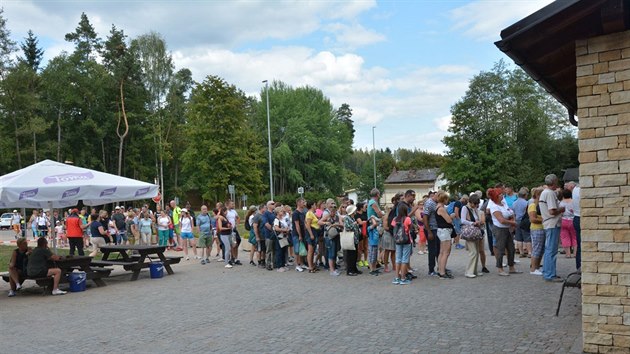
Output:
(50, 184)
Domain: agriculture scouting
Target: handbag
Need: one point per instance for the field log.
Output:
(302, 252)
(347, 240)
(332, 232)
(283, 242)
(471, 233)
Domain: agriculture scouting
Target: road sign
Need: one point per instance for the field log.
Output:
(300, 190)
(231, 189)
(157, 198)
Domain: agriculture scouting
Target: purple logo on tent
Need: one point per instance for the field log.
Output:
(108, 191)
(142, 191)
(68, 177)
(70, 193)
(29, 193)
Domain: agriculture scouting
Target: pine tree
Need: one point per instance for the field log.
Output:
(32, 52)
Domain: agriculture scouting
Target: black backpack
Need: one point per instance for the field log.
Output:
(400, 237)
(525, 224)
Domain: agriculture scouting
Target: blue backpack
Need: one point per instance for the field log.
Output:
(450, 209)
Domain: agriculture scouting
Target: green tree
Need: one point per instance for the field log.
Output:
(32, 52)
(218, 110)
(503, 130)
(85, 39)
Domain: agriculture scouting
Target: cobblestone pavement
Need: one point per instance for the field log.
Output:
(207, 308)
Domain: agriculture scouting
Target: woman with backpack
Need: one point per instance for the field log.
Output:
(401, 225)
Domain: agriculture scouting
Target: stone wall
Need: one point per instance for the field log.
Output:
(603, 90)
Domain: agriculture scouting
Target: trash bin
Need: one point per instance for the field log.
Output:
(77, 281)
(156, 269)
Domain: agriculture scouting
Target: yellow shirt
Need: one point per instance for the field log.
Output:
(530, 208)
(313, 218)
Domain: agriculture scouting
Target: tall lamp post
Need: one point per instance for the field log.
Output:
(269, 140)
(374, 153)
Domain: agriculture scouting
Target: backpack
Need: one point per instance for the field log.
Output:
(450, 209)
(400, 236)
(525, 224)
(248, 227)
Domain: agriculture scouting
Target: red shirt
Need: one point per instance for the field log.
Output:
(73, 226)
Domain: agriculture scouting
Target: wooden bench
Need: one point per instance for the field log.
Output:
(573, 280)
(44, 282)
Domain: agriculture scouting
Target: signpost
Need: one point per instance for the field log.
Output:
(301, 192)
(231, 191)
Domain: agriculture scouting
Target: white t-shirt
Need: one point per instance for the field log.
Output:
(576, 201)
(163, 223)
(15, 219)
(231, 216)
(503, 209)
(548, 200)
(185, 224)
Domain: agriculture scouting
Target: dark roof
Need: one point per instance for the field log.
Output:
(543, 44)
(413, 176)
(571, 174)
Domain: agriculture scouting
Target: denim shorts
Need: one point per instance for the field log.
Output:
(312, 242)
(187, 235)
(331, 249)
(296, 244)
(444, 234)
(403, 252)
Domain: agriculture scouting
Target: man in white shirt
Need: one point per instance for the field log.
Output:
(551, 214)
(575, 191)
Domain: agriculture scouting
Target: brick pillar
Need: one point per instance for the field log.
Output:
(603, 90)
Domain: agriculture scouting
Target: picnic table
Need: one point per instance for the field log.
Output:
(67, 264)
(135, 257)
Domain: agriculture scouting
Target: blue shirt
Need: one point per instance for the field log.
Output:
(204, 223)
(520, 208)
(372, 236)
(509, 200)
(370, 210)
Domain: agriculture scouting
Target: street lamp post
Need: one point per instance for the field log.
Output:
(374, 153)
(269, 140)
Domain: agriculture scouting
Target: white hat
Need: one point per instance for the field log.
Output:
(184, 210)
(15, 211)
(351, 209)
(117, 207)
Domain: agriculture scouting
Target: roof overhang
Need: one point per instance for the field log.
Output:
(543, 44)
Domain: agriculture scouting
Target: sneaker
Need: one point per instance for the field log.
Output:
(442, 277)
(536, 272)
(228, 266)
(237, 262)
(252, 263)
(11, 293)
(58, 292)
(374, 273)
(421, 252)
(299, 269)
(18, 287)
(485, 270)
(203, 261)
(404, 282)
(207, 260)
(470, 275)
(433, 274)
(517, 261)
(187, 258)
(335, 273)
(396, 281)
(291, 259)
(220, 260)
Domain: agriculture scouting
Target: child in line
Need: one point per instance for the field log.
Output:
(61, 235)
(373, 240)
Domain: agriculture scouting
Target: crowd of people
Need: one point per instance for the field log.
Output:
(335, 235)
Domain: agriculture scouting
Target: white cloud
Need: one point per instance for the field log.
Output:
(483, 20)
(349, 37)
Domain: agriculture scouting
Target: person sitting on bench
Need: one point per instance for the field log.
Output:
(17, 266)
(38, 265)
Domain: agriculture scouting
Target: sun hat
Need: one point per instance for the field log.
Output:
(350, 209)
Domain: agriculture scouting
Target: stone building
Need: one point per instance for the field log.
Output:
(579, 50)
(421, 181)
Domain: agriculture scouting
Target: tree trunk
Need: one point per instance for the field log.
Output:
(17, 142)
(123, 135)
(59, 135)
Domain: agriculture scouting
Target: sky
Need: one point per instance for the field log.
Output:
(400, 65)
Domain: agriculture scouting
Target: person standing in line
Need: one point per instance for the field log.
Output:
(299, 230)
(537, 233)
(234, 220)
(430, 224)
(350, 256)
(567, 231)
(502, 220)
(74, 232)
(176, 214)
(163, 228)
(258, 225)
(204, 227)
(522, 236)
(551, 213)
(145, 224)
(312, 227)
(444, 232)
(224, 230)
(188, 239)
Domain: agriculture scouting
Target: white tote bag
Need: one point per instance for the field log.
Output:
(347, 240)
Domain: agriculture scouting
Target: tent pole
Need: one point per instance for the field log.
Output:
(52, 228)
